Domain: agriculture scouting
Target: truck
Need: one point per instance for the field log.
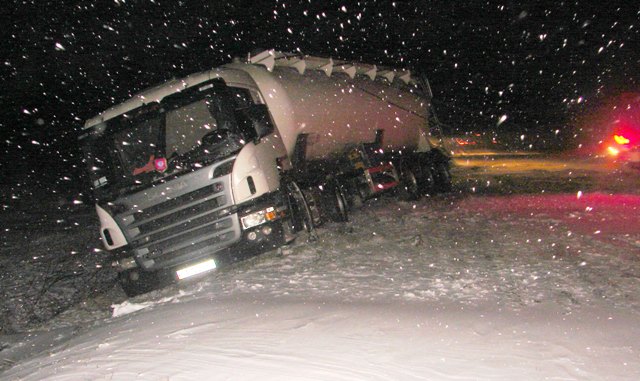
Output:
(623, 126)
(204, 171)
(608, 128)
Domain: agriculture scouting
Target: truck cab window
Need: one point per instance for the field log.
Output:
(250, 112)
(137, 146)
(187, 125)
(242, 97)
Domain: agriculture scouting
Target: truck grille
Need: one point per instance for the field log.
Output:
(183, 227)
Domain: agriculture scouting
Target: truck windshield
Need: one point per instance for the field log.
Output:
(181, 133)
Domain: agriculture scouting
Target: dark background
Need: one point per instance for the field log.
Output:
(542, 64)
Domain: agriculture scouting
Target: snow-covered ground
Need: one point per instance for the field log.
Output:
(529, 274)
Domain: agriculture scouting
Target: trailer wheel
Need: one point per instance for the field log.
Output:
(443, 177)
(409, 185)
(426, 180)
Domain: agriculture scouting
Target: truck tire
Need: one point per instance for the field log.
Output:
(409, 189)
(300, 215)
(442, 177)
(343, 205)
(336, 204)
(426, 180)
(135, 282)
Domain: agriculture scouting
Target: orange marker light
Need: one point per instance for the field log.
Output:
(271, 215)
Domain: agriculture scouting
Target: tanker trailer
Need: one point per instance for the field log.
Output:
(350, 130)
(207, 170)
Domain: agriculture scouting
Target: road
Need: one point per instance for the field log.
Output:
(530, 172)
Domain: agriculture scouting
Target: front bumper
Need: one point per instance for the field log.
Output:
(247, 242)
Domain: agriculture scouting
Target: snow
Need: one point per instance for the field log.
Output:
(251, 337)
(128, 307)
(485, 283)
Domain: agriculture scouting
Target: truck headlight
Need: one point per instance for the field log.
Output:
(258, 218)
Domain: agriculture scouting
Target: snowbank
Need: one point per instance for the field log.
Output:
(253, 337)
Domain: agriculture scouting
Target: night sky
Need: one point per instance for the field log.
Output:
(538, 63)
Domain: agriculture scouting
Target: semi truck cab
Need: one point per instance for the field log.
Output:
(185, 179)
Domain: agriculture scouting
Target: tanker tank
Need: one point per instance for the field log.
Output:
(338, 104)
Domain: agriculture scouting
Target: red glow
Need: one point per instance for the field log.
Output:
(463, 142)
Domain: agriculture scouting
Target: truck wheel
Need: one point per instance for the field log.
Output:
(355, 201)
(314, 200)
(443, 177)
(426, 180)
(300, 216)
(336, 203)
(409, 186)
(135, 282)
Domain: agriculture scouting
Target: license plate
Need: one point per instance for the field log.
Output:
(196, 269)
